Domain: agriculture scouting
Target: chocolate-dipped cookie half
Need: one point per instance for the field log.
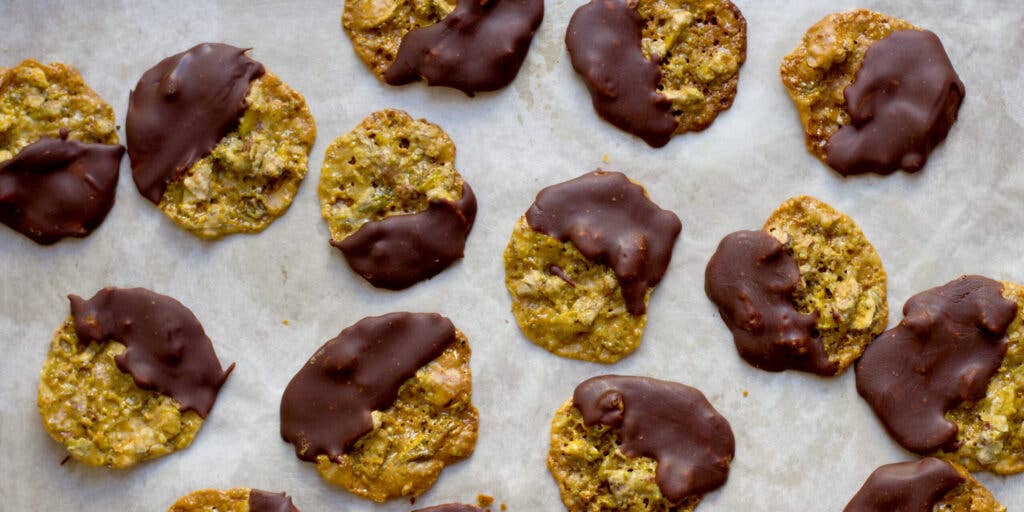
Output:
(241, 499)
(926, 485)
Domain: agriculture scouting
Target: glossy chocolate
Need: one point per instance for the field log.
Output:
(904, 100)
(949, 345)
(751, 279)
(401, 250)
(603, 39)
(167, 350)
(669, 422)
(56, 188)
(326, 407)
(263, 501)
(612, 222)
(479, 46)
(906, 487)
(181, 109)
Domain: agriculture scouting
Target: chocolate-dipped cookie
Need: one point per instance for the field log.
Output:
(955, 361)
(875, 94)
(130, 376)
(926, 485)
(451, 507)
(216, 141)
(383, 407)
(470, 46)
(582, 263)
(638, 444)
(395, 205)
(807, 292)
(241, 499)
(59, 156)
(656, 68)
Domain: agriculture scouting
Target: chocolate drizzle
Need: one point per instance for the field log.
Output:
(945, 351)
(751, 279)
(263, 501)
(604, 42)
(479, 46)
(612, 222)
(166, 348)
(906, 487)
(401, 250)
(904, 100)
(326, 407)
(56, 188)
(451, 507)
(181, 109)
(670, 422)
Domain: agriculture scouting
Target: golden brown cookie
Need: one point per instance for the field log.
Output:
(700, 46)
(253, 174)
(376, 27)
(842, 279)
(991, 430)
(241, 499)
(576, 305)
(969, 496)
(38, 100)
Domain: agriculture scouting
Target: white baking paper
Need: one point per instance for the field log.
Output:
(803, 443)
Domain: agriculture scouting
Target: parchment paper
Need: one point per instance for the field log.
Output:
(803, 443)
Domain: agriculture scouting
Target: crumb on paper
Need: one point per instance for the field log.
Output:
(285, 322)
(484, 501)
(746, 393)
(605, 159)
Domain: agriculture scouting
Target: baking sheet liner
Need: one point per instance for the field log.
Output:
(269, 300)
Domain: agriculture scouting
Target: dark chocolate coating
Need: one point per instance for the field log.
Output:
(55, 188)
(399, 251)
(945, 351)
(904, 100)
(167, 350)
(326, 407)
(181, 109)
(451, 507)
(603, 39)
(612, 222)
(751, 279)
(479, 46)
(263, 501)
(906, 487)
(669, 422)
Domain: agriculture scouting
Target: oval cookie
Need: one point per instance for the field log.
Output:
(224, 153)
(59, 156)
(582, 262)
(395, 205)
(385, 406)
(240, 499)
(129, 377)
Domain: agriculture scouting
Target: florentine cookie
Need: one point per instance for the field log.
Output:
(582, 262)
(637, 444)
(130, 376)
(216, 141)
(659, 67)
(240, 499)
(841, 79)
(807, 293)
(396, 207)
(451, 507)
(385, 406)
(926, 485)
(470, 46)
(59, 155)
(957, 361)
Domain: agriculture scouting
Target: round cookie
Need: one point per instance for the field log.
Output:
(656, 68)
(818, 75)
(576, 305)
(91, 397)
(409, 416)
(241, 499)
(595, 469)
(475, 46)
(393, 201)
(927, 484)
(842, 279)
(38, 100)
(244, 168)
